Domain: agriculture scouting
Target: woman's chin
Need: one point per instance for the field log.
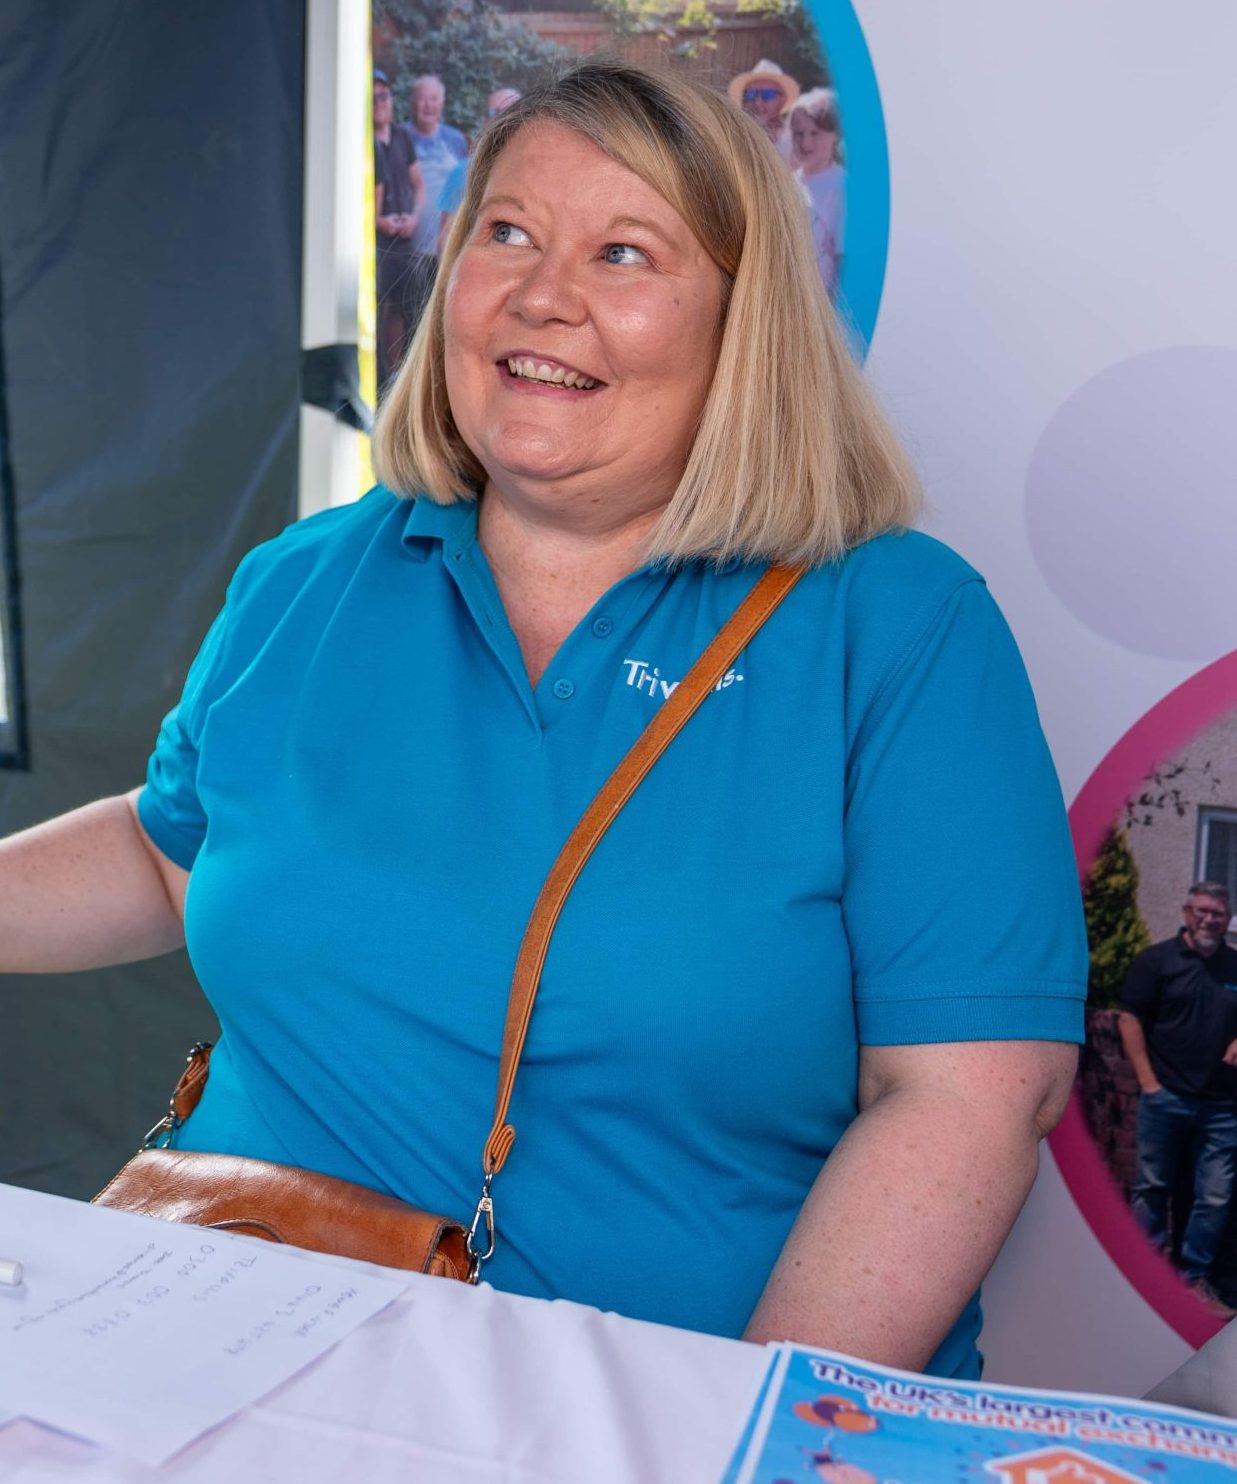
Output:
(529, 474)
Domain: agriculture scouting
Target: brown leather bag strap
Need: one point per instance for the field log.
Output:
(668, 721)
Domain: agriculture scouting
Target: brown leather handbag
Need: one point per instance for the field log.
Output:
(283, 1204)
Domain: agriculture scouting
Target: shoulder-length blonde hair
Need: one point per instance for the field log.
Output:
(792, 461)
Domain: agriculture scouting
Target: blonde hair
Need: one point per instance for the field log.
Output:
(792, 461)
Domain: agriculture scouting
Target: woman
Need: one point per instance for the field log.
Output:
(837, 922)
(814, 132)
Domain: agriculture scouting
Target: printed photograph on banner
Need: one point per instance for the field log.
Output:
(440, 73)
(1158, 1075)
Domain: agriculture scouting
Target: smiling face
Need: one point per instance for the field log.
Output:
(815, 148)
(581, 330)
(764, 100)
(427, 101)
(1206, 922)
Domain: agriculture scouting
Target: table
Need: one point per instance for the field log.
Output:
(466, 1385)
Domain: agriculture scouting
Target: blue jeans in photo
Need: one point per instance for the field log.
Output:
(1172, 1127)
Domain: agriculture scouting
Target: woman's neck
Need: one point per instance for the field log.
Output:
(549, 574)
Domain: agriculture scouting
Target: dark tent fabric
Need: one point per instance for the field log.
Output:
(150, 248)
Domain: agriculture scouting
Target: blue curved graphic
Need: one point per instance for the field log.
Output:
(867, 166)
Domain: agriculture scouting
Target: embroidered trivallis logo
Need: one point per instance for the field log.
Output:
(647, 678)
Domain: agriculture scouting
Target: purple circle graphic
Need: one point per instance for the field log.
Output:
(1130, 499)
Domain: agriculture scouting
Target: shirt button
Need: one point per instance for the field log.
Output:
(564, 689)
(602, 627)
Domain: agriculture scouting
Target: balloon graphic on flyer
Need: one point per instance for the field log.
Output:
(835, 1411)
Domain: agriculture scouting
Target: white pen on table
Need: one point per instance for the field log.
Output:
(10, 1271)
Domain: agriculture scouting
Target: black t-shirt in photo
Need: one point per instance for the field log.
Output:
(392, 160)
(1188, 1008)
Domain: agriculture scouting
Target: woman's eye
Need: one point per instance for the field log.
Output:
(623, 252)
(508, 232)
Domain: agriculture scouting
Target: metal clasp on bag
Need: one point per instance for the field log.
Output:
(160, 1135)
(485, 1209)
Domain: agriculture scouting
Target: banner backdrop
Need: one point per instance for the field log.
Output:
(1026, 235)
(1057, 341)
(150, 235)
(441, 73)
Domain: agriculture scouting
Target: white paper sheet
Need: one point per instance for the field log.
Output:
(459, 1385)
(141, 1335)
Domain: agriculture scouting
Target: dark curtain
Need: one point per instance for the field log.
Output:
(150, 245)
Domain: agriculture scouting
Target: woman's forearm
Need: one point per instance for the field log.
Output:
(911, 1209)
(84, 890)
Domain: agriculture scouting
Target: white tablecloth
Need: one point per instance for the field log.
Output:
(464, 1385)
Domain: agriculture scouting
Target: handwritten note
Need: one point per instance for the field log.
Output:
(140, 1334)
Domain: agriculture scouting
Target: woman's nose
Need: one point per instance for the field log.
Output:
(548, 290)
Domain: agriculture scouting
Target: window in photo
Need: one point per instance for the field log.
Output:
(1217, 847)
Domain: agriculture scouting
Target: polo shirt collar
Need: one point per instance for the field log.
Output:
(453, 527)
(1183, 946)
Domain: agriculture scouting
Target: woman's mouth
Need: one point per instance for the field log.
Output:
(548, 374)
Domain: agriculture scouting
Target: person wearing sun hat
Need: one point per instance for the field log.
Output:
(766, 93)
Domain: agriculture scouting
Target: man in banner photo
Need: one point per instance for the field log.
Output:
(439, 148)
(1178, 1025)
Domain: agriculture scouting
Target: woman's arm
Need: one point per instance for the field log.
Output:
(86, 889)
(911, 1209)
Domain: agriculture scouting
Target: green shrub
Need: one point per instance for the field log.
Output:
(1116, 931)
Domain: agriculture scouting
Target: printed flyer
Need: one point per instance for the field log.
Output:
(827, 1417)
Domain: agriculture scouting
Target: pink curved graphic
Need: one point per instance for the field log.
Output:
(1164, 730)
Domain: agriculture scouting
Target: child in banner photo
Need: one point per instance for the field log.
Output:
(816, 140)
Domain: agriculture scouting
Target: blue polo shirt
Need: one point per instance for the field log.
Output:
(858, 840)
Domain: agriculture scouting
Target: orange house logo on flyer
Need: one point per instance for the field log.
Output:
(1057, 1466)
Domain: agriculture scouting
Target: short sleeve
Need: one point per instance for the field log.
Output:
(168, 805)
(960, 897)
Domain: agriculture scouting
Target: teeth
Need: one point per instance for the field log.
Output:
(554, 375)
